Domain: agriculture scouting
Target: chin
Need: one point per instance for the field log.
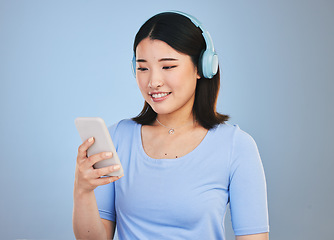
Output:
(161, 110)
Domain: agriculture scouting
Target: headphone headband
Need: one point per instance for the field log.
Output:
(197, 23)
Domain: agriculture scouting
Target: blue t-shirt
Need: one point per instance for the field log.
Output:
(186, 197)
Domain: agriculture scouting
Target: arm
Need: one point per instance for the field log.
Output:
(110, 228)
(260, 236)
(247, 190)
(87, 223)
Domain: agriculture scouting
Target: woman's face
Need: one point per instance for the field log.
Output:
(166, 78)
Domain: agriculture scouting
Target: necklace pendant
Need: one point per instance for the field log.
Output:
(171, 131)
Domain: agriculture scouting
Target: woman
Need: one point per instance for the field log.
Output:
(182, 162)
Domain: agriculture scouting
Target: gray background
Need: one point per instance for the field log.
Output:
(64, 59)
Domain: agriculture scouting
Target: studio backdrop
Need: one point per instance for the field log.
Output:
(63, 59)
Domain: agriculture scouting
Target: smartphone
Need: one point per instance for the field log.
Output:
(96, 127)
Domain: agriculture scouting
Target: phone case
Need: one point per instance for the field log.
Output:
(96, 127)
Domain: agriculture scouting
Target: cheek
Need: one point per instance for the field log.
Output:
(188, 85)
(141, 83)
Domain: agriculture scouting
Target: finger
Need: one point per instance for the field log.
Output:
(97, 158)
(106, 180)
(106, 170)
(82, 150)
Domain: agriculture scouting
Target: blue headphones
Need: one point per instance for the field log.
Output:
(208, 61)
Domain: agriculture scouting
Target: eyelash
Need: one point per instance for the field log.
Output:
(166, 68)
(141, 69)
(169, 67)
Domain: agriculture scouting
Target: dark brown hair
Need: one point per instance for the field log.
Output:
(181, 34)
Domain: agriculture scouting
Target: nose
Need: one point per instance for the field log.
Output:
(156, 79)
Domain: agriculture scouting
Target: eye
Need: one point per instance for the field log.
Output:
(169, 67)
(142, 69)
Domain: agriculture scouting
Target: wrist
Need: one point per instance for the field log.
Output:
(79, 193)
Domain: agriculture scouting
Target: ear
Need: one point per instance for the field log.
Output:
(198, 75)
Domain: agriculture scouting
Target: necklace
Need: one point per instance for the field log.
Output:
(172, 130)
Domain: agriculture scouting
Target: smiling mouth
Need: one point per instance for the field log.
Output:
(159, 95)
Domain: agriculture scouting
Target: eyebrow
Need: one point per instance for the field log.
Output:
(160, 60)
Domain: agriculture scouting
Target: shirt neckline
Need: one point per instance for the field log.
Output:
(200, 146)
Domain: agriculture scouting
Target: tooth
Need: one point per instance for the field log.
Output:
(159, 95)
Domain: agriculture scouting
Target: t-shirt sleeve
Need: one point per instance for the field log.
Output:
(105, 194)
(105, 199)
(247, 190)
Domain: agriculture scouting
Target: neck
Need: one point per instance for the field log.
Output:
(175, 121)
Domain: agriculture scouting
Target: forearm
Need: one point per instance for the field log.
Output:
(259, 236)
(87, 223)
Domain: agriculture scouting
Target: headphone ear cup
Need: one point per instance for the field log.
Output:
(200, 64)
(209, 63)
(133, 65)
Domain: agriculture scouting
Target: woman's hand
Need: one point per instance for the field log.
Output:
(87, 223)
(86, 177)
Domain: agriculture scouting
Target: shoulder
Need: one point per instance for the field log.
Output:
(243, 141)
(122, 127)
(232, 131)
(123, 131)
(237, 139)
(245, 155)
